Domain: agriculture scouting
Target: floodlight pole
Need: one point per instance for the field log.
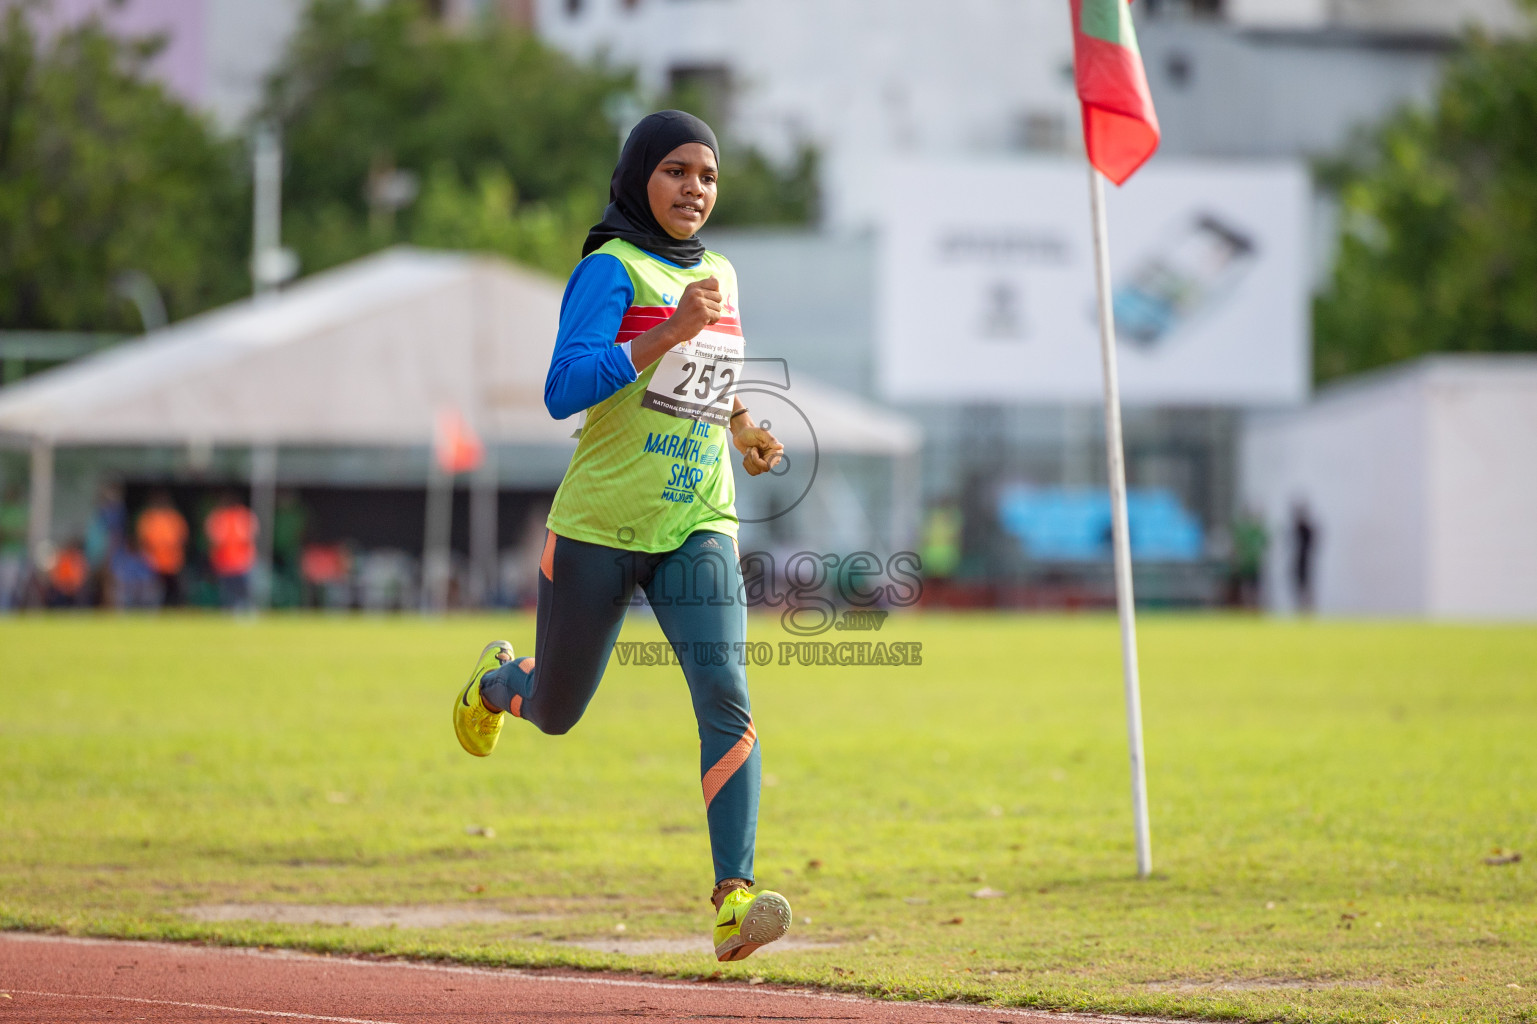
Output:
(437, 553)
(1116, 458)
(264, 482)
(40, 498)
(483, 529)
(267, 205)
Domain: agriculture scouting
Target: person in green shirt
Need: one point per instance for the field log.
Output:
(1250, 541)
(940, 546)
(650, 345)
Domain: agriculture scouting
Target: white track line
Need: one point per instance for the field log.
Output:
(194, 1006)
(577, 979)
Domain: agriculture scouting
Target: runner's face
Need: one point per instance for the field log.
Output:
(682, 189)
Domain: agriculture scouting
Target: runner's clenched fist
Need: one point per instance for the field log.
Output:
(699, 307)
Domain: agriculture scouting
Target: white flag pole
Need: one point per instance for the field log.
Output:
(1116, 458)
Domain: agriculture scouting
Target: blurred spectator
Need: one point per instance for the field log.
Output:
(327, 571)
(1304, 541)
(68, 572)
(162, 533)
(1250, 539)
(288, 524)
(941, 546)
(105, 536)
(518, 575)
(386, 580)
(13, 547)
(134, 583)
(231, 531)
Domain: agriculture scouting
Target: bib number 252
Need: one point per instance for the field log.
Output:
(695, 381)
(710, 379)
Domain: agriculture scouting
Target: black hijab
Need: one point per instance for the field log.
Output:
(629, 213)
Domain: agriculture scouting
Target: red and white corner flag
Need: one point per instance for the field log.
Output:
(1120, 132)
(1120, 127)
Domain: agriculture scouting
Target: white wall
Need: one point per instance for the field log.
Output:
(862, 80)
(869, 80)
(1440, 17)
(1356, 458)
(1422, 481)
(1279, 14)
(1437, 17)
(1483, 505)
(1277, 94)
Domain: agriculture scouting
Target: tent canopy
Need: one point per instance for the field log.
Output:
(368, 354)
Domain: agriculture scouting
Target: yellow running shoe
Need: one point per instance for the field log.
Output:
(477, 728)
(745, 922)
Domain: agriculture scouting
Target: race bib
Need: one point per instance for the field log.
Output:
(696, 380)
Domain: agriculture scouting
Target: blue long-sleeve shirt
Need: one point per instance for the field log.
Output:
(587, 366)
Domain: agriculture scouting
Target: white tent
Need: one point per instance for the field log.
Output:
(1422, 481)
(369, 354)
(366, 354)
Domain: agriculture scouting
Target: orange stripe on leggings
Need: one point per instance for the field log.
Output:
(547, 560)
(720, 773)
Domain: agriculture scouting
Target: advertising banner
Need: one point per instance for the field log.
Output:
(987, 283)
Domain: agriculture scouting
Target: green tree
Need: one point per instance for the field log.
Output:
(370, 96)
(506, 139)
(1438, 248)
(489, 217)
(102, 172)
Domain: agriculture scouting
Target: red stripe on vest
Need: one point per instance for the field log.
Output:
(640, 319)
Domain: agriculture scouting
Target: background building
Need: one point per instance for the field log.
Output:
(217, 53)
(865, 82)
(976, 89)
(1419, 483)
(921, 113)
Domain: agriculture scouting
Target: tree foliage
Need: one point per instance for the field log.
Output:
(102, 172)
(506, 138)
(1438, 249)
(365, 95)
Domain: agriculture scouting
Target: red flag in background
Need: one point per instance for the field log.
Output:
(1120, 128)
(455, 445)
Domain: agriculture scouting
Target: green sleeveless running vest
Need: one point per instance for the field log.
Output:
(654, 460)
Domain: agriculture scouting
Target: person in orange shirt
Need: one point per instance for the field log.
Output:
(231, 529)
(162, 535)
(67, 577)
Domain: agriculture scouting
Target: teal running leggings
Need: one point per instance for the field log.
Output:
(584, 591)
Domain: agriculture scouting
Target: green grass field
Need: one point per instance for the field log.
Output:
(1324, 797)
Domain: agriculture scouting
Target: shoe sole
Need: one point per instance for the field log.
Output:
(767, 921)
(474, 683)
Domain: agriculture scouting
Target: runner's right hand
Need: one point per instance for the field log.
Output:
(698, 308)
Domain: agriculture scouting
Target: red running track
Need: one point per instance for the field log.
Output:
(54, 979)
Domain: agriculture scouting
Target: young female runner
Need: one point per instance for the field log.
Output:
(651, 346)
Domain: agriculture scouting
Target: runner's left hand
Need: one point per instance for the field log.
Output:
(760, 450)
